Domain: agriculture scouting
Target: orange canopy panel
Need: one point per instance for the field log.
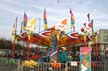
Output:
(35, 39)
(64, 40)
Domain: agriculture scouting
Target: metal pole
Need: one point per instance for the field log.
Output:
(39, 23)
(85, 39)
(13, 48)
(28, 54)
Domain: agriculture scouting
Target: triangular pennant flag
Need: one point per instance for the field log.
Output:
(72, 19)
(88, 16)
(45, 20)
(25, 20)
(61, 25)
(31, 25)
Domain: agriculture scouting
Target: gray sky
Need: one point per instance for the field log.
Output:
(10, 9)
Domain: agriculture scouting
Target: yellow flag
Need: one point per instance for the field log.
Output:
(32, 21)
(45, 26)
(31, 25)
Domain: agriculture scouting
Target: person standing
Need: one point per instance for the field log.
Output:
(62, 55)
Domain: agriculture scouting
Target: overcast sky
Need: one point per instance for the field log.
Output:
(56, 10)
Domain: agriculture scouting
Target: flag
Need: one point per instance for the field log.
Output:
(21, 30)
(88, 16)
(45, 20)
(84, 24)
(64, 21)
(16, 22)
(72, 19)
(25, 19)
(31, 25)
(92, 26)
(61, 25)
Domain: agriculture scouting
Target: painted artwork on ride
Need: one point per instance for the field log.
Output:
(85, 59)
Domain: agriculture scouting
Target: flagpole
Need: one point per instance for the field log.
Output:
(15, 30)
(39, 23)
(57, 39)
(72, 18)
(13, 48)
(22, 48)
(96, 52)
(45, 20)
(28, 54)
(73, 28)
(96, 38)
(85, 39)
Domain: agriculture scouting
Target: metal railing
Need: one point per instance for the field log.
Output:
(46, 67)
(18, 66)
(5, 65)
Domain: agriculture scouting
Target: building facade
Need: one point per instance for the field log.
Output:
(103, 42)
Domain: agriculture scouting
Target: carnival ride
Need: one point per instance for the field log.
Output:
(54, 37)
(45, 38)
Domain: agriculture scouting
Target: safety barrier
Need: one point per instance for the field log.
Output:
(69, 66)
(46, 67)
(5, 65)
(99, 66)
(95, 66)
(72, 66)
